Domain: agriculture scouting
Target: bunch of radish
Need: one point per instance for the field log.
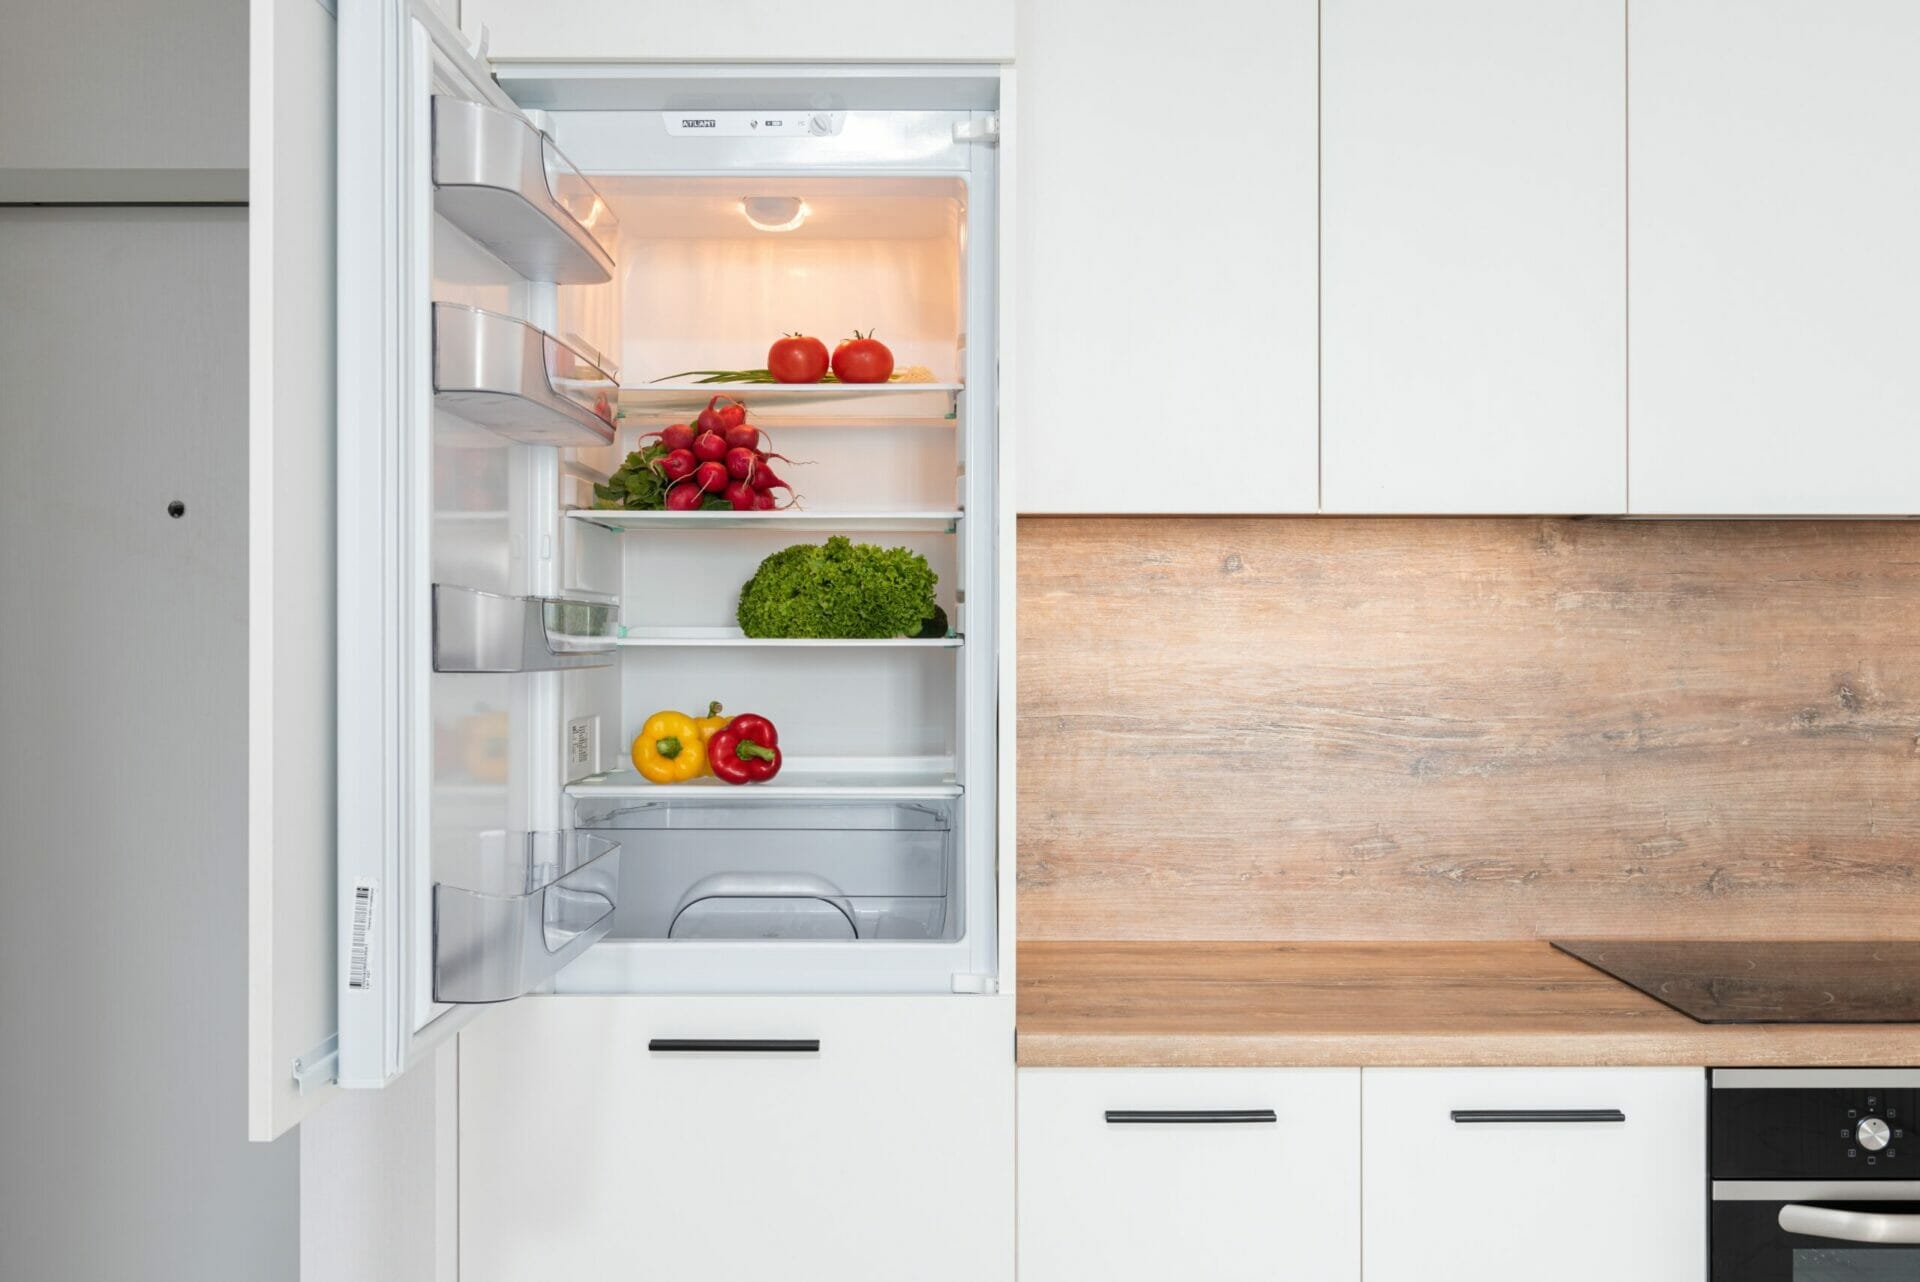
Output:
(720, 455)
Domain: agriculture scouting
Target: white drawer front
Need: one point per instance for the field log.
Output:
(604, 1137)
(1220, 1200)
(1508, 1194)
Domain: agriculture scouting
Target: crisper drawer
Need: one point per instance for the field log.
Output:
(1491, 1175)
(1141, 1175)
(845, 1139)
(737, 867)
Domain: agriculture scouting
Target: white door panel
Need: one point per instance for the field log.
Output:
(1473, 216)
(1208, 1192)
(1508, 1199)
(1166, 296)
(291, 1007)
(744, 30)
(1775, 194)
(885, 1154)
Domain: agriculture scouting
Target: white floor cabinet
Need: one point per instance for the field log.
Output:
(1513, 1175)
(1232, 1175)
(700, 1138)
(1335, 1175)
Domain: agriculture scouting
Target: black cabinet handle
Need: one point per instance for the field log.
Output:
(1201, 1116)
(736, 1045)
(1538, 1115)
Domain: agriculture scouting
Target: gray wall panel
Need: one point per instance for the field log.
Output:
(123, 964)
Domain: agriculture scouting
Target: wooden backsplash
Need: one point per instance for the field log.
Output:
(1316, 728)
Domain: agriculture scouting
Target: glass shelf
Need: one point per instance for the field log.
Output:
(800, 779)
(820, 402)
(795, 520)
(726, 636)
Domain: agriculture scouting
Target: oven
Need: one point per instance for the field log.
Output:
(1811, 1176)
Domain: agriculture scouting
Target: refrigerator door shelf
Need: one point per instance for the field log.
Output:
(532, 902)
(518, 382)
(504, 183)
(476, 631)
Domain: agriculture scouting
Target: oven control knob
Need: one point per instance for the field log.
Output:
(1873, 1134)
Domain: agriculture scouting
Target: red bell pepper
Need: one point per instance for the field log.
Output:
(745, 750)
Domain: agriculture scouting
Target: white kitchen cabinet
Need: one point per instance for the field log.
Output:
(1140, 1175)
(745, 30)
(1512, 1175)
(589, 1149)
(1473, 216)
(1166, 301)
(1775, 193)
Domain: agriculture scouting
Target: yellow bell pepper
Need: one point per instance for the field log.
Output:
(707, 726)
(670, 749)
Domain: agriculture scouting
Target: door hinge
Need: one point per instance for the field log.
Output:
(977, 984)
(986, 129)
(318, 1066)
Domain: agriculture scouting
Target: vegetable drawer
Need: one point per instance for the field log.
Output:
(741, 868)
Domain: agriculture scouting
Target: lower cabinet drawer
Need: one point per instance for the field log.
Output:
(1515, 1175)
(1144, 1175)
(726, 1139)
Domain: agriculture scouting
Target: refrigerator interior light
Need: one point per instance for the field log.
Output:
(774, 213)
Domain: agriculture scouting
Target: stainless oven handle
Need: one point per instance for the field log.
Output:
(1850, 1226)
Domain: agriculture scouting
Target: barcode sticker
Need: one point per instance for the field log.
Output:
(583, 747)
(359, 973)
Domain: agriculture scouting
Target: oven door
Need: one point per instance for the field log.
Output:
(1816, 1231)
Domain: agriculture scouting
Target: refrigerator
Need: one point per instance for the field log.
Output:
(525, 275)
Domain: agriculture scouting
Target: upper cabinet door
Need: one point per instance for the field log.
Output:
(745, 30)
(291, 1009)
(1165, 257)
(1775, 197)
(1474, 257)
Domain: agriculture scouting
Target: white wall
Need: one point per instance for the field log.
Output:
(123, 956)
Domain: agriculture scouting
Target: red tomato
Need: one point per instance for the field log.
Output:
(797, 359)
(862, 359)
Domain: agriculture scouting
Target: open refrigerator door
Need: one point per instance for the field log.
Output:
(526, 302)
(459, 224)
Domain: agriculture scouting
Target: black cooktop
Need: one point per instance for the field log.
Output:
(1748, 982)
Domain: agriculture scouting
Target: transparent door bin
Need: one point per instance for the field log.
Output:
(847, 872)
(518, 382)
(504, 183)
(475, 631)
(521, 907)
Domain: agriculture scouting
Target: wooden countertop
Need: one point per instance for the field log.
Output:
(1265, 1004)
